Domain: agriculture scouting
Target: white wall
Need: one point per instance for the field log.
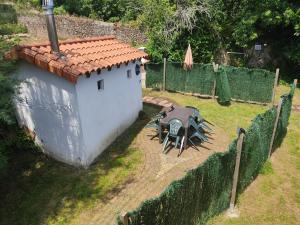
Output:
(105, 114)
(47, 104)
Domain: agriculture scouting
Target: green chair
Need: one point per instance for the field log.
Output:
(154, 123)
(197, 132)
(175, 126)
(196, 113)
(199, 119)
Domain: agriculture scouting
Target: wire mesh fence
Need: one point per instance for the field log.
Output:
(205, 191)
(232, 82)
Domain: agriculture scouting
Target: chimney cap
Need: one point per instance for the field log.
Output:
(48, 4)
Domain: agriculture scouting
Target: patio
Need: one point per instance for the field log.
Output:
(156, 173)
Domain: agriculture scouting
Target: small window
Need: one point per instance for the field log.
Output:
(128, 74)
(137, 69)
(100, 84)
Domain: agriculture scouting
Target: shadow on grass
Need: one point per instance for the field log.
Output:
(39, 190)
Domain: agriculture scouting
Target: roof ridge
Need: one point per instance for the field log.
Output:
(81, 56)
(70, 41)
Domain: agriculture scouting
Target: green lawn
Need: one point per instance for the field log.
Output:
(227, 117)
(274, 197)
(39, 190)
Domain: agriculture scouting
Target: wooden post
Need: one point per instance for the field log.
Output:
(295, 82)
(215, 67)
(214, 89)
(241, 134)
(164, 75)
(124, 218)
(275, 85)
(275, 126)
(277, 74)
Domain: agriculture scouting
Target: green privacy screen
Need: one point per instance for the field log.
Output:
(205, 191)
(199, 80)
(154, 75)
(242, 83)
(250, 84)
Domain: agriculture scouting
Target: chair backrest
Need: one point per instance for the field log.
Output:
(159, 115)
(175, 125)
(196, 113)
(192, 122)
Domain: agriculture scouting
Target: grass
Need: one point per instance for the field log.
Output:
(273, 198)
(229, 118)
(39, 190)
(267, 168)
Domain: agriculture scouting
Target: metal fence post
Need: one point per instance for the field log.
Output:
(275, 85)
(241, 135)
(275, 127)
(164, 74)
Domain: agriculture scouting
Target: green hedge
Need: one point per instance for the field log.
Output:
(232, 82)
(205, 191)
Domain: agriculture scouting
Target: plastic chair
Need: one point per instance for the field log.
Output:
(199, 119)
(154, 123)
(196, 113)
(174, 129)
(196, 133)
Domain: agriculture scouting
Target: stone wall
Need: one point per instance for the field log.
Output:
(71, 26)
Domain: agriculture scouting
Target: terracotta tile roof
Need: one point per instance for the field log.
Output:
(81, 56)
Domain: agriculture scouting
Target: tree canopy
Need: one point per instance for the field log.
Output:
(208, 25)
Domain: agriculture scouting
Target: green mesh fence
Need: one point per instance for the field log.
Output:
(199, 80)
(154, 75)
(205, 191)
(250, 84)
(256, 147)
(284, 116)
(241, 83)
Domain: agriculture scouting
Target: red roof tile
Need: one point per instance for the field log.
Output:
(80, 56)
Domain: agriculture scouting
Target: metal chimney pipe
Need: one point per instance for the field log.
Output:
(48, 6)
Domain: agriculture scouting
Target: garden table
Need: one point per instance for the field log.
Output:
(180, 113)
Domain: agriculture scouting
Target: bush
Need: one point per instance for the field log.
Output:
(60, 10)
(10, 28)
(7, 119)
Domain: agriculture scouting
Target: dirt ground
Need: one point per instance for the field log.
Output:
(156, 173)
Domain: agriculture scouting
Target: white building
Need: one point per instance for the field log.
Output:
(76, 102)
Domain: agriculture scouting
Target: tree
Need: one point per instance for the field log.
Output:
(7, 118)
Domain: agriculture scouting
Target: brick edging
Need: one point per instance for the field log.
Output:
(157, 101)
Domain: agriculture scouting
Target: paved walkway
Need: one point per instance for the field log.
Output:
(157, 101)
(156, 173)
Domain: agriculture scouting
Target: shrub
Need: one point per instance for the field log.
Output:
(10, 28)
